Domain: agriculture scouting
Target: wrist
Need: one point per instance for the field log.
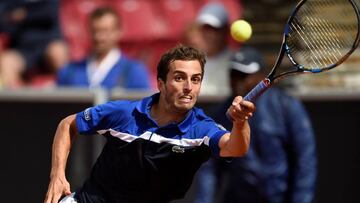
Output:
(239, 123)
(57, 173)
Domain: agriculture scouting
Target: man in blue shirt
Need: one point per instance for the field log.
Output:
(154, 145)
(280, 165)
(107, 66)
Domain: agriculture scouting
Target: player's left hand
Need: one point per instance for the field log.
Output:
(240, 110)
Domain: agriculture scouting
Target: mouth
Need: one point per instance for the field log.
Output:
(186, 98)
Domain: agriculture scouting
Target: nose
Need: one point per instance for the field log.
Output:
(99, 37)
(187, 85)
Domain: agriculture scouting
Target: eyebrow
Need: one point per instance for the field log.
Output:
(182, 72)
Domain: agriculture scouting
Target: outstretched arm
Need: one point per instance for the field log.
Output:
(237, 142)
(65, 134)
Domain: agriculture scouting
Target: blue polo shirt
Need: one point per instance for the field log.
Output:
(141, 161)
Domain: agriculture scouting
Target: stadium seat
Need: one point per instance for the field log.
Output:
(150, 27)
(73, 20)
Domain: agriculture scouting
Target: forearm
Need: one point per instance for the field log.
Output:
(65, 134)
(237, 142)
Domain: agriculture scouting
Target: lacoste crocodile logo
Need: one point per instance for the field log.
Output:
(178, 149)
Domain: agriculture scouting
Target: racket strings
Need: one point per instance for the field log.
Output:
(321, 39)
(315, 42)
(325, 41)
(322, 33)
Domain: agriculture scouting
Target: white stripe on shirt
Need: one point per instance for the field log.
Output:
(157, 138)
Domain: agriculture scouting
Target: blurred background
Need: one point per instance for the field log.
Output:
(32, 104)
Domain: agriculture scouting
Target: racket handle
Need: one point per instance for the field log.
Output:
(254, 93)
(258, 90)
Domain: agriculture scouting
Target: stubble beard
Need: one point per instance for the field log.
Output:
(174, 106)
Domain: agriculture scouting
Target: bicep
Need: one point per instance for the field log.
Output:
(72, 123)
(68, 125)
(223, 140)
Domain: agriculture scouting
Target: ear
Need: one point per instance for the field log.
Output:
(160, 84)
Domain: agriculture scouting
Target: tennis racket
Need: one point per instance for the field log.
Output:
(319, 35)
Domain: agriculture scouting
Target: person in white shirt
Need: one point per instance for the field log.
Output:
(213, 19)
(107, 66)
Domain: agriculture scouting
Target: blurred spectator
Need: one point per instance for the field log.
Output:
(56, 57)
(11, 67)
(107, 66)
(280, 165)
(31, 28)
(192, 36)
(213, 19)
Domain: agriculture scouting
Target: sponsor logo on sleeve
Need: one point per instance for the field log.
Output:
(87, 114)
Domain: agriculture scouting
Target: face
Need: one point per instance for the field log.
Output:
(57, 55)
(182, 87)
(105, 33)
(193, 37)
(215, 39)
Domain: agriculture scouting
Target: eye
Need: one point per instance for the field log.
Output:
(178, 78)
(196, 80)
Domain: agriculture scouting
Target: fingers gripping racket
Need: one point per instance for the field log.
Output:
(319, 35)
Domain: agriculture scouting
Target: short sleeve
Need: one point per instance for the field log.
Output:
(100, 117)
(214, 132)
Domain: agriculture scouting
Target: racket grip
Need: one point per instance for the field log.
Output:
(258, 90)
(254, 93)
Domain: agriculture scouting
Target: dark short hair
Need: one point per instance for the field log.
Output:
(102, 11)
(179, 52)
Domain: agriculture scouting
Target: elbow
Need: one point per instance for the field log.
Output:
(242, 151)
(238, 152)
(69, 124)
(67, 120)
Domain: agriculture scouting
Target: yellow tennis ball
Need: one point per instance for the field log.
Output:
(240, 30)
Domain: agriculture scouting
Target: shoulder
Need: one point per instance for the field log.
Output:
(133, 63)
(114, 111)
(73, 66)
(136, 74)
(76, 64)
(205, 127)
(200, 115)
(73, 70)
(118, 106)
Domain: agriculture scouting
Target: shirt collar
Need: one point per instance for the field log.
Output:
(145, 104)
(97, 72)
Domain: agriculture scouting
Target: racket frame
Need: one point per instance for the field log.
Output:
(263, 85)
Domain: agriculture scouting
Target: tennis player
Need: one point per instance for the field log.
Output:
(154, 145)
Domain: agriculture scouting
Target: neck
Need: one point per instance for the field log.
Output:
(99, 56)
(163, 115)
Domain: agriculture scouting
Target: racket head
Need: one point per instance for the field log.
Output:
(320, 35)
